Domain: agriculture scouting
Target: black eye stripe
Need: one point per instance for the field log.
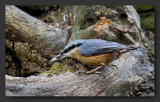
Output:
(70, 48)
(66, 50)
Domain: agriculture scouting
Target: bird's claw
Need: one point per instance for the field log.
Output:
(89, 72)
(112, 65)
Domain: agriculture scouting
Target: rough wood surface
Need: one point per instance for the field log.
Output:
(117, 29)
(126, 81)
(31, 42)
(25, 28)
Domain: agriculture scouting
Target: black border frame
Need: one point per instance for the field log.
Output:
(156, 3)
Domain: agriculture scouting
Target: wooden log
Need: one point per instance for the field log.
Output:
(128, 80)
(32, 41)
(22, 27)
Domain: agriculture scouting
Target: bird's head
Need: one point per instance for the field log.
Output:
(67, 51)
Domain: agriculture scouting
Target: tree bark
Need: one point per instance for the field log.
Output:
(32, 41)
(24, 28)
(133, 71)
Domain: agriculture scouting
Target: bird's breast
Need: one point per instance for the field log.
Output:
(93, 60)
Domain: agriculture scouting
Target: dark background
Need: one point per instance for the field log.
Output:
(79, 2)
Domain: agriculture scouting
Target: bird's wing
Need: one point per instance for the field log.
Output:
(96, 47)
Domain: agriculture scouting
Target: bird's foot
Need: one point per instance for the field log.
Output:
(113, 66)
(94, 71)
(89, 72)
(99, 73)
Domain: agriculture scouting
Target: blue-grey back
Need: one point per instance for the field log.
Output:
(97, 46)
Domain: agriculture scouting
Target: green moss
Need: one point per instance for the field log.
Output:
(55, 69)
(146, 13)
(60, 15)
(77, 66)
(58, 68)
(144, 8)
(148, 22)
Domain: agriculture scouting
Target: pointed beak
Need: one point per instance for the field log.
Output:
(55, 59)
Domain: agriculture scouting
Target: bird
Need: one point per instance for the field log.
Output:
(94, 52)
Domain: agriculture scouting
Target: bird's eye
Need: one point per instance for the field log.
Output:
(65, 51)
(70, 48)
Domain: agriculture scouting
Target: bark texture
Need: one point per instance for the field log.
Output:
(135, 73)
(131, 79)
(32, 41)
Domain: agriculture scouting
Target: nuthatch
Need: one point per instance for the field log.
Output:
(94, 52)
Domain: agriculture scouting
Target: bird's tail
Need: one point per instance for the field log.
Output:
(135, 49)
(130, 49)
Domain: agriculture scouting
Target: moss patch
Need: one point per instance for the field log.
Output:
(146, 13)
(67, 65)
(148, 22)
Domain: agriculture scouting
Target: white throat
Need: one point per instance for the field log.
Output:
(69, 54)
